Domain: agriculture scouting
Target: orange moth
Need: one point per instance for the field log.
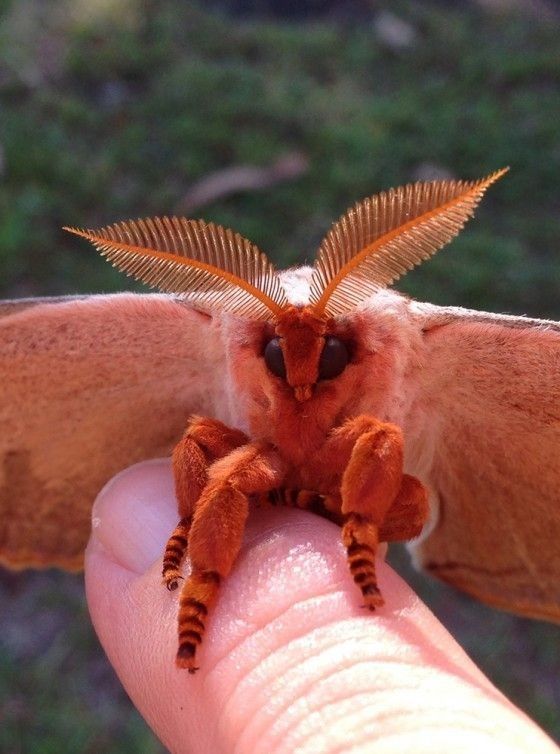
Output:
(314, 387)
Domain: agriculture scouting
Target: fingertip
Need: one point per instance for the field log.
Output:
(134, 514)
(289, 661)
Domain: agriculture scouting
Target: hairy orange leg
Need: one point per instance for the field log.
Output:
(370, 484)
(407, 515)
(216, 535)
(204, 441)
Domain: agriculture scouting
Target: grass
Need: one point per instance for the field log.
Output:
(113, 110)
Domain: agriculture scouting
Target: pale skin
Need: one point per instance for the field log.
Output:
(290, 661)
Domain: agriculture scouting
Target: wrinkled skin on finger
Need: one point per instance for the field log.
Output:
(291, 662)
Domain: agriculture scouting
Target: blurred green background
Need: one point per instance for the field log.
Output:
(272, 118)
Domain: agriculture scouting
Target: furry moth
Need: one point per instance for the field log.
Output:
(315, 387)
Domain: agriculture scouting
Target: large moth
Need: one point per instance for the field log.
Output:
(318, 387)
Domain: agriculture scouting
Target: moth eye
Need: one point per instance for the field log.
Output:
(274, 358)
(334, 359)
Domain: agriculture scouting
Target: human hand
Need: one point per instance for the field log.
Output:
(289, 662)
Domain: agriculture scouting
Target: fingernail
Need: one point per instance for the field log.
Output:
(135, 513)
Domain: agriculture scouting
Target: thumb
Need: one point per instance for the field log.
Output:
(289, 662)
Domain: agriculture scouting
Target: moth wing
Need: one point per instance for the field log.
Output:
(490, 392)
(91, 385)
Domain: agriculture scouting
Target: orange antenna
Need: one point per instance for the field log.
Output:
(384, 236)
(207, 265)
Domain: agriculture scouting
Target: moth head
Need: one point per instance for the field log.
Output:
(214, 269)
(303, 351)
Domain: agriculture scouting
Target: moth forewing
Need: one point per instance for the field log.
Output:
(83, 379)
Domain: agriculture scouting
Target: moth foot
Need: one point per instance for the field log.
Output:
(372, 596)
(171, 581)
(185, 657)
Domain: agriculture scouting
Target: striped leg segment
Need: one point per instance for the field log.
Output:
(216, 535)
(197, 597)
(214, 544)
(360, 537)
(404, 520)
(204, 441)
(370, 485)
(175, 552)
(326, 506)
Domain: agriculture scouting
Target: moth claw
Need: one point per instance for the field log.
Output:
(373, 597)
(374, 603)
(185, 658)
(173, 583)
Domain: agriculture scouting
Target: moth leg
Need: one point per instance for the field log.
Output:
(326, 506)
(216, 535)
(175, 551)
(361, 540)
(370, 484)
(204, 441)
(407, 515)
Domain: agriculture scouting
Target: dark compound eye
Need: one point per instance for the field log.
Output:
(274, 358)
(334, 359)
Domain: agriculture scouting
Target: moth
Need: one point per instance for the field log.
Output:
(318, 387)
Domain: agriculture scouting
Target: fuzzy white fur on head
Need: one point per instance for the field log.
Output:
(296, 283)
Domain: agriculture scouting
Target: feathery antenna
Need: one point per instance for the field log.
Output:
(208, 266)
(384, 236)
